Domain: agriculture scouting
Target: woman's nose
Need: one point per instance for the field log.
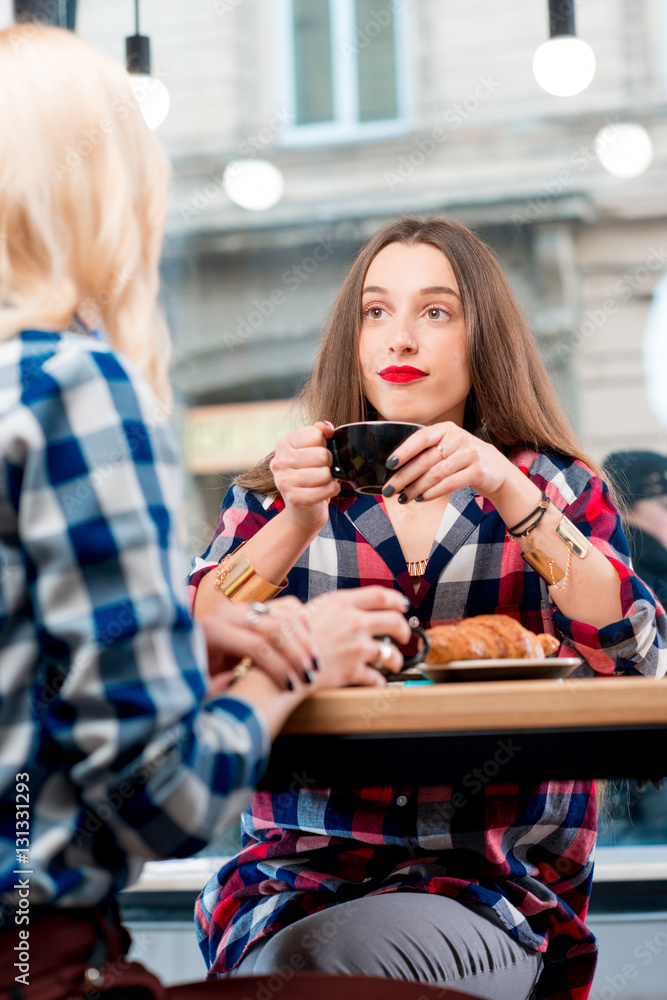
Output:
(403, 342)
(402, 339)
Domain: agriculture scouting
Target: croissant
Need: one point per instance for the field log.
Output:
(487, 637)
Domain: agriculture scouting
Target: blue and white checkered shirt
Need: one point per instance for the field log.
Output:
(102, 677)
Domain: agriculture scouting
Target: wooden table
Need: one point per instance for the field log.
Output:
(613, 727)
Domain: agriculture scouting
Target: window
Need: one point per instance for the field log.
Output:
(343, 68)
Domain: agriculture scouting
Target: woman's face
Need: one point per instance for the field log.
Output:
(412, 344)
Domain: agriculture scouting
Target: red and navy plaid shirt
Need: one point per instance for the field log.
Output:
(525, 849)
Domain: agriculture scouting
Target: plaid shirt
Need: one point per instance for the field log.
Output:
(102, 676)
(524, 849)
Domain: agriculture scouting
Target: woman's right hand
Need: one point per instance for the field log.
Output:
(301, 469)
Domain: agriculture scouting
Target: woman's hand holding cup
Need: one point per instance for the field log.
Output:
(301, 468)
(442, 458)
(349, 627)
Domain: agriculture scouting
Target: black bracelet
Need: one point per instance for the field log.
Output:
(538, 514)
(531, 527)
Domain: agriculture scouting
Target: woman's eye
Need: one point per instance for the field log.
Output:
(435, 312)
(374, 312)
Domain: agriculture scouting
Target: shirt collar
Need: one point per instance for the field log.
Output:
(462, 515)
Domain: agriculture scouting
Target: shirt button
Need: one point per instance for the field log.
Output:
(413, 621)
(402, 800)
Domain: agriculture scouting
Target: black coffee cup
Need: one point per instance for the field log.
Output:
(361, 450)
(409, 661)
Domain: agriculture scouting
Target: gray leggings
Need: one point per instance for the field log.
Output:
(404, 935)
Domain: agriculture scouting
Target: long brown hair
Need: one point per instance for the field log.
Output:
(512, 401)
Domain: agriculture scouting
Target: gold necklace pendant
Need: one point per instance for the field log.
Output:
(417, 568)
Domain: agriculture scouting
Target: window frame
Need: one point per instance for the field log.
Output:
(345, 126)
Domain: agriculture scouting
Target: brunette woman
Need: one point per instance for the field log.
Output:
(426, 330)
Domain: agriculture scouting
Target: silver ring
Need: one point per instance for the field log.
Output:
(384, 653)
(255, 612)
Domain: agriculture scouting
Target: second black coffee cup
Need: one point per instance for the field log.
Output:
(360, 451)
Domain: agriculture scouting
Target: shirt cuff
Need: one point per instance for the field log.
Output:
(201, 568)
(629, 646)
(255, 720)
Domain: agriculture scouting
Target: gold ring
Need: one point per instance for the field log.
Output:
(439, 447)
(242, 667)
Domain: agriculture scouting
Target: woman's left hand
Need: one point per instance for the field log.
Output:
(441, 458)
(278, 640)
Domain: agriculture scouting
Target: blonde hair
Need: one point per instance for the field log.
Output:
(83, 189)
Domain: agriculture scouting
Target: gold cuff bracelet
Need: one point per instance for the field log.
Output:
(573, 537)
(546, 567)
(238, 581)
(541, 563)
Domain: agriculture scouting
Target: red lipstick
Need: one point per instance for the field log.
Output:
(402, 373)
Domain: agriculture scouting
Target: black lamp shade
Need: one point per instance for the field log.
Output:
(561, 18)
(59, 12)
(138, 54)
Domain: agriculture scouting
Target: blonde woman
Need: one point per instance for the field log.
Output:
(115, 745)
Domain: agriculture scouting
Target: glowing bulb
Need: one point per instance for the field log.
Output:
(253, 184)
(624, 150)
(152, 97)
(564, 66)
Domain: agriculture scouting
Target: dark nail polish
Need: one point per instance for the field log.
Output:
(402, 498)
(308, 676)
(392, 462)
(317, 663)
(388, 490)
(419, 498)
(289, 684)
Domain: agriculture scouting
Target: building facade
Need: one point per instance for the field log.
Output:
(372, 109)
